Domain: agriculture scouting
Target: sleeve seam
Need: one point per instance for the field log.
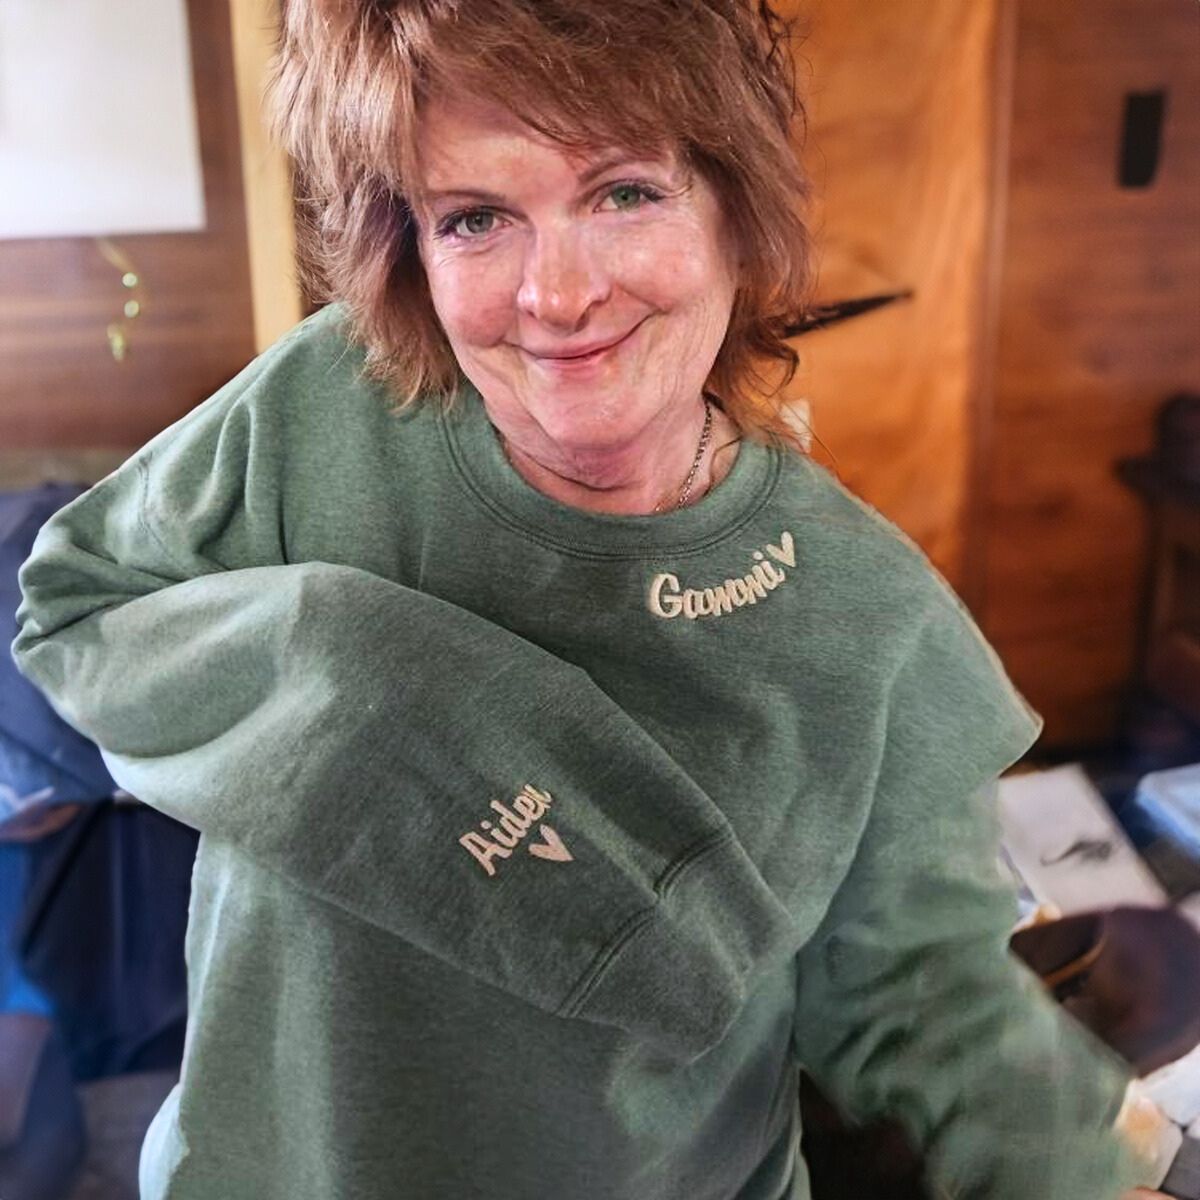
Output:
(630, 928)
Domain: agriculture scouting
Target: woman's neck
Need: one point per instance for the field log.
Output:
(651, 483)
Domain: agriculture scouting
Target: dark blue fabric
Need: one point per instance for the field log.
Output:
(1166, 806)
(17, 993)
(103, 932)
(43, 760)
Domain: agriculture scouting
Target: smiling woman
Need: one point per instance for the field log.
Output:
(574, 760)
(587, 302)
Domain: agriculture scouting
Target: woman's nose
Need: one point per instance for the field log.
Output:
(563, 280)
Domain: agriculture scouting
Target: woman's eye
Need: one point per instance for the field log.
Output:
(474, 224)
(467, 225)
(628, 196)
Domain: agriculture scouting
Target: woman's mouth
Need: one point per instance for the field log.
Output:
(577, 363)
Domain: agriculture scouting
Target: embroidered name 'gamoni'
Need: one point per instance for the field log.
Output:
(667, 599)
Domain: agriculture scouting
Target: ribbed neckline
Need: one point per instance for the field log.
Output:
(475, 449)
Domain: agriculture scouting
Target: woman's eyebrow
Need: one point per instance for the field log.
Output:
(606, 164)
(429, 195)
(584, 178)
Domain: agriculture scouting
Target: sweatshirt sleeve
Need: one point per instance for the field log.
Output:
(908, 1002)
(351, 734)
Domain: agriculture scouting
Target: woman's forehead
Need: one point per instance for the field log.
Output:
(453, 131)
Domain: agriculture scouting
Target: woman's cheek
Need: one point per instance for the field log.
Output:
(473, 299)
(665, 263)
(633, 257)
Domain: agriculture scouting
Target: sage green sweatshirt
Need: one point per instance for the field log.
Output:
(540, 847)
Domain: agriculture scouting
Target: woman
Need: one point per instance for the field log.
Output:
(573, 758)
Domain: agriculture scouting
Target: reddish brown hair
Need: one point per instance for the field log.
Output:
(711, 78)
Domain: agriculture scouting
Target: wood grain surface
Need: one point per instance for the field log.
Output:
(1099, 321)
(900, 149)
(267, 178)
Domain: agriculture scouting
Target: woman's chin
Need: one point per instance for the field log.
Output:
(595, 446)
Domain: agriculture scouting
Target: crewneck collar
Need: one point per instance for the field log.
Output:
(475, 449)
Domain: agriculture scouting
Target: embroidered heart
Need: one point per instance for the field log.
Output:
(785, 552)
(553, 847)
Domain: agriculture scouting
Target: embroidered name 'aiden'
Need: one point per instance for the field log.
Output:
(667, 599)
(503, 837)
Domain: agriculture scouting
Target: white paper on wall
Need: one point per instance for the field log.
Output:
(97, 119)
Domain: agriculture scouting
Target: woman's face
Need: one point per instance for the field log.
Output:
(534, 258)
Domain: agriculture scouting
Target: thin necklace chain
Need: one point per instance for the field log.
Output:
(705, 435)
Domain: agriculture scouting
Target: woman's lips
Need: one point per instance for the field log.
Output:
(581, 363)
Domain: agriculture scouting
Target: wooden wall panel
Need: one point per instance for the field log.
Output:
(267, 176)
(902, 99)
(1099, 321)
(60, 387)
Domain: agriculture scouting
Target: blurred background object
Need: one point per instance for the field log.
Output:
(94, 891)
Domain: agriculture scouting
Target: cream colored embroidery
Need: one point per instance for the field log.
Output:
(503, 837)
(667, 599)
(552, 847)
